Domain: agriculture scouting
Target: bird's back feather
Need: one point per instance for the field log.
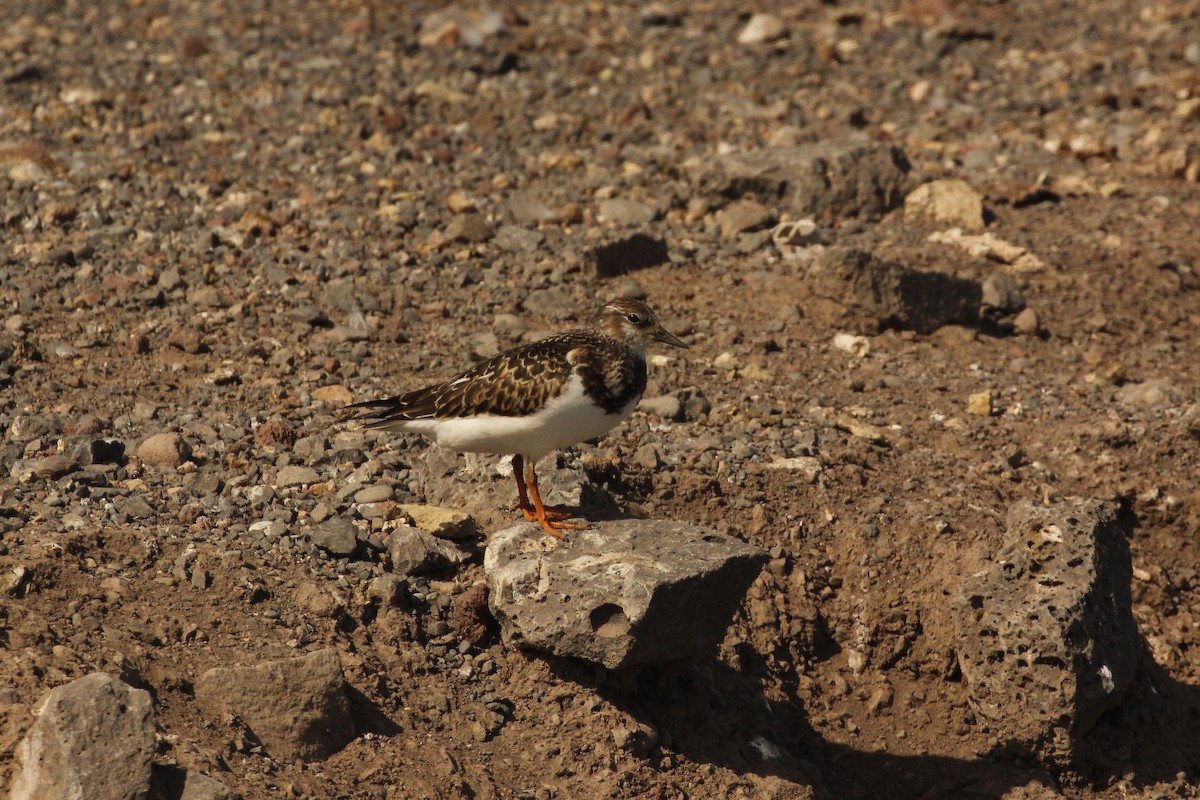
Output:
(516, 382)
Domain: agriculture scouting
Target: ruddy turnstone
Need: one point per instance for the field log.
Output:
(536, 398)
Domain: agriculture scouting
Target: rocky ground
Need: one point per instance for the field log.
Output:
(932, 259)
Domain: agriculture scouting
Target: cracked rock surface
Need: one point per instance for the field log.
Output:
(1049, 629)
(623, 593)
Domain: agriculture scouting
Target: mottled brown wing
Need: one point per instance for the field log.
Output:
(513, 383)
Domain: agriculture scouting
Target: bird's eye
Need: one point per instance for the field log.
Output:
(634, 318)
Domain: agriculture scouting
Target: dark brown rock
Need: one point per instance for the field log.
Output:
(892, 295)
(296, 707)
(1046, 636)
(847, 177)
(275, 433)
(471, 618)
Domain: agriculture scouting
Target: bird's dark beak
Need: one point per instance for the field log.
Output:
(661, 334)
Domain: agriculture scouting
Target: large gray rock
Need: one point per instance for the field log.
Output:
(891, 294)
(852, 176)
(93, 738)
(622, 593)
(297, 707)
(1046, 637)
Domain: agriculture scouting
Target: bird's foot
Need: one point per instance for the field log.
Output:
(553, 513)
(556, 527)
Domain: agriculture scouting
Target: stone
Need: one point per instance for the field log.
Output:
(460, 202)
(170, 782)
(469, 228)
(1151, 394)
(666, 406)
(93, 738)
(334, 395)
(460, 25)
(893, 295)
(378, 493)
(1027, 323)
(388, 590)
(312, 598)
(294, 475)
(1046, 638)
(134, 506)
(857, 346)
(55, 466)
(188, 340)
(528, 209)
(275, 433)
(761, 28)
(987, 245)
(14, 581)
(445, 523)
(261, 495)
(695, 404)
(647, 456)
(981, 404)
(337, 536)
(880, 699)
(743, 215)
(622, 211)
(951, 202)
(201, 579)
(630, 254)
(413, 551)
(164, 450)
(1001, 292)
(297, 707)
(514, 238)
(621, 593)
(850, 176)
(470, 617)
(795, 233)
(441, 92)
(638, 739)
(311, 449)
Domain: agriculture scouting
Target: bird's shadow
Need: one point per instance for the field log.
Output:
(473, 484)
(707, 712)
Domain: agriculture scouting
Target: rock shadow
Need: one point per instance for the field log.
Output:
(710, 713)
(367, 716)
(1150, 738)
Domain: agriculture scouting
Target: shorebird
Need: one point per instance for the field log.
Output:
(536, 398)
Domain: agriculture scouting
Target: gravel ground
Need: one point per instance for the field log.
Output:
(220, 223)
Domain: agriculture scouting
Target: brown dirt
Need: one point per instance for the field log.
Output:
(190, 189)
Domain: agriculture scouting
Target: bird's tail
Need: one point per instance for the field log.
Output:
(377, 414)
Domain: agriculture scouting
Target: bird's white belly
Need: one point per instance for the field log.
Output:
(566, 420)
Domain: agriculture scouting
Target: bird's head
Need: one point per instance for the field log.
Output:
(634, 323)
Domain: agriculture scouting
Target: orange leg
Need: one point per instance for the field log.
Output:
(518, 468)
(551, 519)
(551, 512)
